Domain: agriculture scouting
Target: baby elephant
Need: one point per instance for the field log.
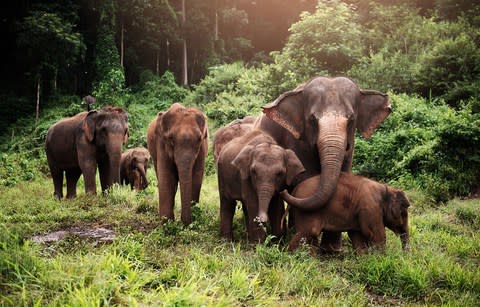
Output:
(253, 169)
(360, 206)
(133, 168)
(230, 131)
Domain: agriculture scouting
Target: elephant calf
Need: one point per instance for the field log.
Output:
(253, 169)
(232, 130)
(133, 168)
(360, 206)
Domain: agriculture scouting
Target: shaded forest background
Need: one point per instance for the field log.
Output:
(229, 57)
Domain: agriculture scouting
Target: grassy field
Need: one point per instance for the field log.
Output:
(172, 265)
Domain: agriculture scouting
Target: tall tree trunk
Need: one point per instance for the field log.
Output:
(122, 43)
(55, 77)
(216, 20)
(185, 60)
(157, 62)
(37, 109)
(168, 53)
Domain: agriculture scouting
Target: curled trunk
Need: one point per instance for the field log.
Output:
(331, 146)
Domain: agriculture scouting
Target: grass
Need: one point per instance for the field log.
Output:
(153, 264)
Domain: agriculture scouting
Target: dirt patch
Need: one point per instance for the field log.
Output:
(99, 234)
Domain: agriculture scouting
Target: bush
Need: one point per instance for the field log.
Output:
(426, 146)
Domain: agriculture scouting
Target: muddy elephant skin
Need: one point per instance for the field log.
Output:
(360, 206)
(232, 130)
(318, 120)
(253, 169)
(78, 144)
(133, 168)
(178, 143)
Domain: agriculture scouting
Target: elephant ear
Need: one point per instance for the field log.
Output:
(202, 123)
(294, 166)
(242, 161)
(88, 125)
(372, 110)
(125, 137)
(287, 111)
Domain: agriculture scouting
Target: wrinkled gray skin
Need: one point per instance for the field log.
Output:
(178, 143)
(133, 168)
(76, 145)
(253, 169)
(230, 131)
(318, 120)
(361, 206)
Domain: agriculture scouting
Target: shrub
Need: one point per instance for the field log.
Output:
(426, 146)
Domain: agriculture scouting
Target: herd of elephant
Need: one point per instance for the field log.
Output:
(299, 149)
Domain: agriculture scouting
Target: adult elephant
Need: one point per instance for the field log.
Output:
(317, 120)
(178, 142)
(76, 145)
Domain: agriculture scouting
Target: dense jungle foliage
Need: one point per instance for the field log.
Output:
(239, 56)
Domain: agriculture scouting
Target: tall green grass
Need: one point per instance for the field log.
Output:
(150, 263)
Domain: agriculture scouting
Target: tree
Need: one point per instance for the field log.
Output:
(50, 43)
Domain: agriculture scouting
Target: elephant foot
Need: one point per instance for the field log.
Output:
(331, 243)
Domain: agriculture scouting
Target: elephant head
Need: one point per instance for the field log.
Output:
(183, 132)
(324, 113)
(269, 168)
(395, 213)
(136, 159)
(107, 130)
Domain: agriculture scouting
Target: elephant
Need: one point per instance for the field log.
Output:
(232, 130)
(76, 145)
(253, 169)
(133, 168)
(318, 120)
(177, 140)
(360, 206)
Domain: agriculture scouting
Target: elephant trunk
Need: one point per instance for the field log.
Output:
(114, 168)
(185, 178)
(265, 194)
(143, 176)
(405, 239)
(331, 146)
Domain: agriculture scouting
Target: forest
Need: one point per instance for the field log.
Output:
(230, 58)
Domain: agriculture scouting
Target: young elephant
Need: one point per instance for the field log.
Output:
(232, 130)
(133, 168)
(253, 169)
(361, 206)
(178, 142)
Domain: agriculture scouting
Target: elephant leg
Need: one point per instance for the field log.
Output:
(359, 242)
(276, 211)
(331, 242)
(167, 188)
(227, 211)
(295, 241)
(89, 169)
(72, 179)
(372, 228)
(57, 176)
(103, 169)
